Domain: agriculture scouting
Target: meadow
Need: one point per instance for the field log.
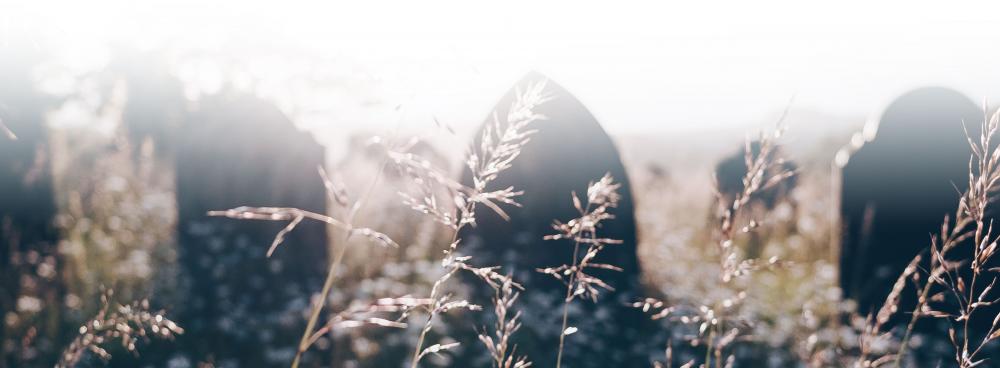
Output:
(727, 280)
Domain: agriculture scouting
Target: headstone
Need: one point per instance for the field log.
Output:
(897, 189)
(31, 293)
(243, 309)
(569, 151)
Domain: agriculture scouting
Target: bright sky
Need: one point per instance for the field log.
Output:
(664, 66)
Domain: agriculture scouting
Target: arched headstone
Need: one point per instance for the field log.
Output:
(569, 150)
(897, 189)
(243, 309)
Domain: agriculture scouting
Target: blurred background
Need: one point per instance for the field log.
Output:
(134, 118)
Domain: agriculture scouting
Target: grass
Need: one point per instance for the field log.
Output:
(602, 196)
(719, 320)
(500, 144)
(970, 293)
(719, 308)
(129, 324)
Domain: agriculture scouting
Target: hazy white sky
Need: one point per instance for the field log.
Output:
(664, 65)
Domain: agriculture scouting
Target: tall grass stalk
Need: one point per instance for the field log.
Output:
(602, 196)
(295, 216)
(129, 323)
(499, 145)
(971, 223)
(504, 355)
(718, 321)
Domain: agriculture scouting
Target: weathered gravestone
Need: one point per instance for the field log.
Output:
(30, 291)
(897, 189)
(569, 151)
(243, 309)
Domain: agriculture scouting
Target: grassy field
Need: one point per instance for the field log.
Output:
(726, 283)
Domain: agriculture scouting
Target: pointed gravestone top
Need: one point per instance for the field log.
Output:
(569, 150)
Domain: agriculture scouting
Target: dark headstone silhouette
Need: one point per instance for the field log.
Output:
(242, 309)
(30, 289)
(569, 151)
(897, 189)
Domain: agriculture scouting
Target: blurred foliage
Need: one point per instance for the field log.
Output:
(117, 216)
